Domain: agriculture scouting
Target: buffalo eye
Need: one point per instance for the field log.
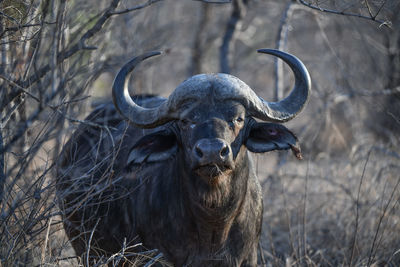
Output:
(188, 123)
(239, 119)
(236, 123)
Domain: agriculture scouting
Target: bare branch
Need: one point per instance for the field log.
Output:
(19, 27)
(34, 116)
(84, 122)
(21, 90)
(198, 44)
(373, 18)
(148, 3)
(369, 8)
(237, 14)
(366, 93)
(56, 108)
(155, 259)
(2, 166)
(280, 45)
(8, 17)
(13, 109)
(380, 8)
(215, 2)
(90, 241)
(79, 46)
(65, 54)
(387, 91)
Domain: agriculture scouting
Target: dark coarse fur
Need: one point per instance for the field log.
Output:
(112, 199)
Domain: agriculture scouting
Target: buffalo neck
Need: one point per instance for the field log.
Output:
(214, 208)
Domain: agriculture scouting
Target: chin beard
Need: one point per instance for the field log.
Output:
(213, 186)
(214, 175)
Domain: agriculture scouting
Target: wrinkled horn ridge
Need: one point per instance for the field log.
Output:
(139, 116)
(289, 107)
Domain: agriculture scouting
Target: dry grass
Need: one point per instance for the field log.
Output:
(334, 211)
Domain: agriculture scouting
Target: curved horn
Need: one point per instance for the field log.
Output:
(198, 86)
(140, 116)
(289, 107)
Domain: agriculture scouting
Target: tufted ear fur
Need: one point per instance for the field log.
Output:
(264, 137)
(155, 147)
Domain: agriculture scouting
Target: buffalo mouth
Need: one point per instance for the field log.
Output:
(213, 173)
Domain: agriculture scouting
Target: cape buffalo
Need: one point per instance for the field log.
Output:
(175, 174)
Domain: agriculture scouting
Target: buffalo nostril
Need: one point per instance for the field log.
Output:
(224, 151)
(198, 152)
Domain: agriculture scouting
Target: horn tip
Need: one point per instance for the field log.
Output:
(152, 53)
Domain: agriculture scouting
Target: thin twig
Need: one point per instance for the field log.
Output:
(2, 170)
(127, 10)
(153, 260)
(4, 121)
(34, 116)
(9, 17)
(305, 209)
(46, 240)
(291, 240)
(20, 27)
(368, 8)
(357, 208)
(380, 8)
(215, 2)
(90, 241)
(84, 122)
(263, 262)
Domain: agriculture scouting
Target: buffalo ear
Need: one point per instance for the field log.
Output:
(264, 137)
(155, 147)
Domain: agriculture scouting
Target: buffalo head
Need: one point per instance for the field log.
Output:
(212, 120)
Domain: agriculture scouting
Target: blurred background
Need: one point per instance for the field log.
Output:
(339, 206)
